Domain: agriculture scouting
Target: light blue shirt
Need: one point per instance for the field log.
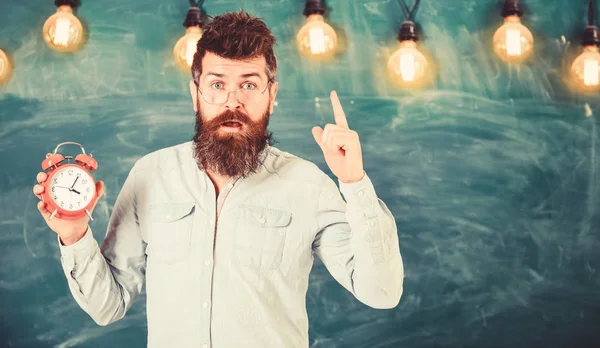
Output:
(239, 280)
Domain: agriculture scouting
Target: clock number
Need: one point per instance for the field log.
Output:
(79, 203)
(70, 171)
(84, 181)
(55, 197)
(62, 203)
(78, 174)
(87, 189)
(53, 189)
(70, 206)
(85, 198)
(55, 180)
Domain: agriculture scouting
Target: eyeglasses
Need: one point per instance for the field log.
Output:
(218, 96)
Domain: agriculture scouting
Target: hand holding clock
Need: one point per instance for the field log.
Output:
(69, 231)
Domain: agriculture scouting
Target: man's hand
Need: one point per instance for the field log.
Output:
(340, 145)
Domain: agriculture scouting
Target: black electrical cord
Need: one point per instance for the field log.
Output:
(408, 30)
(72, 3)
(196, 3)
(511, 8)
(591, 10)
(591, 36)
(194, 16)
(314, 7)
(408, 15)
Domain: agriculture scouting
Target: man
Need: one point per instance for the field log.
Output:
(223, 229)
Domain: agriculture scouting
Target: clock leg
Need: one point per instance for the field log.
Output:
(53, 214)
(88, 214)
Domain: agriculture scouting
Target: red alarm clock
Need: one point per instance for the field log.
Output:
(70, 190)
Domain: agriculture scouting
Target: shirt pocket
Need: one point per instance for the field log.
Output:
(170, 231)
(260, 237)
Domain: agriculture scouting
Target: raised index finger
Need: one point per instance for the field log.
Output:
(338, 112)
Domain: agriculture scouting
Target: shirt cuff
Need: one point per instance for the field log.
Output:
(71, 254)
(361, 191)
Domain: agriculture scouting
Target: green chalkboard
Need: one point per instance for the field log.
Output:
(492, 173)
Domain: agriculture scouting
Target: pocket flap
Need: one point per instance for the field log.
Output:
(170, 212)
(265, 217)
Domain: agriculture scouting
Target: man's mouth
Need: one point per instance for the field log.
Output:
(232, 126)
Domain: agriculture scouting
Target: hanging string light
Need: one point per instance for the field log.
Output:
(63, 31)
(585, 70)
(407, 66)
(186, 46)
(316, 40)
(5, 68)
(513, 42)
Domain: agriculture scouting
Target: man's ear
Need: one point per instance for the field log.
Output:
(194, 94)
(273, 90)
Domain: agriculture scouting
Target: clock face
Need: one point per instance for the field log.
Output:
(72, 188)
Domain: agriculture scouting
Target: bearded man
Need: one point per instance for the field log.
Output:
(223, 229)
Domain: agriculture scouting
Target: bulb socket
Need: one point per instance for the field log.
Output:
(72, 3)
(408, 31)
(194, 17)
(510, 8)
(314, 7)
(591, 37)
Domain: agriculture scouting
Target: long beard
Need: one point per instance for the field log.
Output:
(231, 154)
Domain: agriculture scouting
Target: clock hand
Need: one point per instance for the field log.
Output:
(70, 189)
(77, 178)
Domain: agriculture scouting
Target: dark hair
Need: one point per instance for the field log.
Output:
(236, 35)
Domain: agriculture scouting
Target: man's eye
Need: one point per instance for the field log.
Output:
(248, 85)
(216, 85)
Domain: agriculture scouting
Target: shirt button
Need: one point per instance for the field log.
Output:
(262, 220)
(361, 193)
(205, 304)
(229, 186)
(207, 262)
(372, 223)
(205, 346)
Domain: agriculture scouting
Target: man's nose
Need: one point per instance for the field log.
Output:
(232, 101)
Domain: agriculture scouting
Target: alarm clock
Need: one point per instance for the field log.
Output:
(70, 189)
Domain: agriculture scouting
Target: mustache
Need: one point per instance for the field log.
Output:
(230, 116)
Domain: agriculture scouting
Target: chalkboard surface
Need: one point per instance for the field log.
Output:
(492, 173)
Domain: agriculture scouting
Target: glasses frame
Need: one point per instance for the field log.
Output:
(236, 95)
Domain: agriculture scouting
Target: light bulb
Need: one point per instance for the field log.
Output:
(186, 47)
(586, 69)
(317, 40)
(407, 66)
(513, 42)
(63, 32)
(5, 68)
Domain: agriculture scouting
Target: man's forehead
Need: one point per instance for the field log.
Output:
(212, 63)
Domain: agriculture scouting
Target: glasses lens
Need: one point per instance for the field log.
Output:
(249, 96)
(217, 96)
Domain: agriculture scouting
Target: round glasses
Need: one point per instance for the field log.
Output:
(217, 96)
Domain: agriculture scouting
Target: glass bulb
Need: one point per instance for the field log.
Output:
(5, 68)
(63, 32)
(407, 66)
(186, 47)
(585, 69)
(317, 40)
(513, 42)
